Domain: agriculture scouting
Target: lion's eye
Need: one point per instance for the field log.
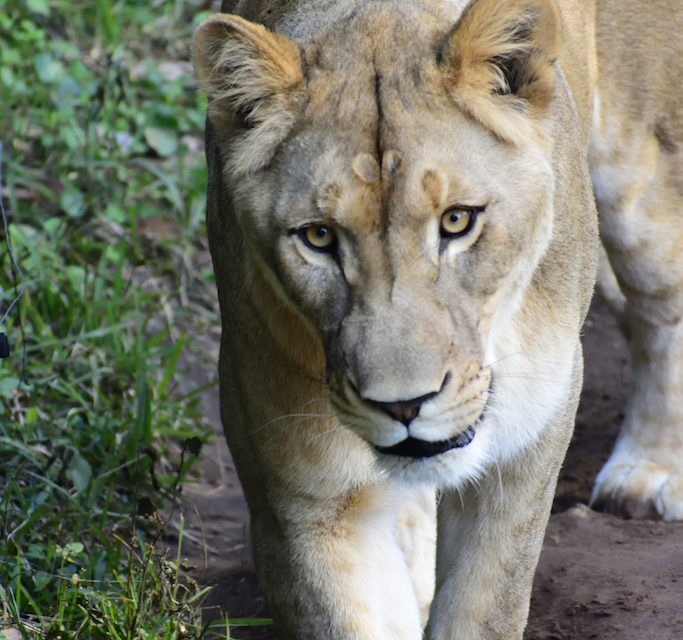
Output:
(319, 237)
(457, 222)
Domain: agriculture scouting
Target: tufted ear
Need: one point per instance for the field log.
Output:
(498, 60)
(254, 81)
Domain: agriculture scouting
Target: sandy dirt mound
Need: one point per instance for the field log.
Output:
(598, 577)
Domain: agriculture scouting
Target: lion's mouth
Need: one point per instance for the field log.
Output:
(416, 448)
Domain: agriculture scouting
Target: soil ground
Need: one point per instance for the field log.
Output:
(598, 577)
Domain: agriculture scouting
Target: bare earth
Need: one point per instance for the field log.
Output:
(598, 577)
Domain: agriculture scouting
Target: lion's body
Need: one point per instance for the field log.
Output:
(636, 163)
(375, 348)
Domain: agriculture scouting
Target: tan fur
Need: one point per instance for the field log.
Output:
(482, 36)
(392, 358)
(249, 67)
(636, 159)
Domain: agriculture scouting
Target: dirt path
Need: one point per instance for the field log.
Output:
(599, 577)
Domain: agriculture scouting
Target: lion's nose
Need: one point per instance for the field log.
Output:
(405, 411)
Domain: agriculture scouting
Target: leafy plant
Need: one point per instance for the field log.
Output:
(103, 181)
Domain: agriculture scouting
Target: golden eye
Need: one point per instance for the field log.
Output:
(319, 237)
(457, 222)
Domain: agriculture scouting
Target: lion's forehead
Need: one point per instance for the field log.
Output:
(367, 192)
(376, 191)
(381, 60)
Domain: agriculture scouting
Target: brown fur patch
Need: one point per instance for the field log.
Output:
(365, 167)
(433, 186)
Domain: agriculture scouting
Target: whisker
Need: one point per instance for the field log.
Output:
(500, 481)
(301, 417)
(532, 378)
(338, 427)
(502, 358)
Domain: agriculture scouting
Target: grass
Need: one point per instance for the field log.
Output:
(103, 181)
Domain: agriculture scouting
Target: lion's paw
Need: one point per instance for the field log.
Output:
(639, 490)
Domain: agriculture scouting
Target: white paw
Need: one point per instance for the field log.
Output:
(639, 489)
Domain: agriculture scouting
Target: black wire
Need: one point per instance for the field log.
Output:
(4, 345)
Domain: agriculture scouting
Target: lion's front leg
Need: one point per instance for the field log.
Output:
(336, 569)
(489, 540)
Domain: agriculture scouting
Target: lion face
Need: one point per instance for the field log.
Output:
(400, 262)
(391, 206)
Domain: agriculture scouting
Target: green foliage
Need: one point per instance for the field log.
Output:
(83, 111)
(103, 180)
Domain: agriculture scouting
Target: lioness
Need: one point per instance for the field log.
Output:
(405, 241)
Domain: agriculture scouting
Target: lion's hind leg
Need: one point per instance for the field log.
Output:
(643, 477)
(638, 177)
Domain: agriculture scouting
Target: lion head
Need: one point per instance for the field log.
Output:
(406, 188)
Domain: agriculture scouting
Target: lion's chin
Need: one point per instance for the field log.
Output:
(417, 448)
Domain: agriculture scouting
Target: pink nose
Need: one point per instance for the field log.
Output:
(405, 411)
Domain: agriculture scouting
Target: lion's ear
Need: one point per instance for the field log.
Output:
(253, 79)
(498, 60)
